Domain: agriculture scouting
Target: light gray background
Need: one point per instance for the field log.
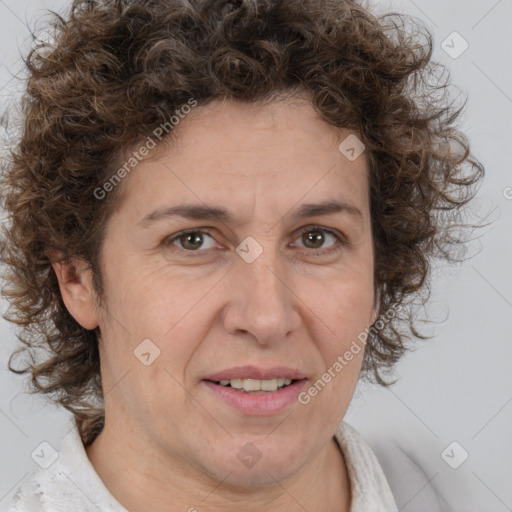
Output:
(457, 387)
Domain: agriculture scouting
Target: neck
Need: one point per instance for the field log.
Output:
(321, 485)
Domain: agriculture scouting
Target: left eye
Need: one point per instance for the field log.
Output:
(316, 235)
(193, 240)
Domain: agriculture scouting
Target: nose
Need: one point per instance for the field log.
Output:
(262, 303)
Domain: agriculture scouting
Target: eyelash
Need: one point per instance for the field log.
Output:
(341, 241)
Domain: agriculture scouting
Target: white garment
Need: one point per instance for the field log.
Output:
(71, 484)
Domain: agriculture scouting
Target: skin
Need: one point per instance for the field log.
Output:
(169, 443)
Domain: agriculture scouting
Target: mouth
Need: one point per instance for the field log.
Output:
(253, 397)
(256, 386)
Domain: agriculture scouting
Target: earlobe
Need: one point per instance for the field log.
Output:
(75, 283)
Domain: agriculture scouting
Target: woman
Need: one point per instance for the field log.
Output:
(219, 213)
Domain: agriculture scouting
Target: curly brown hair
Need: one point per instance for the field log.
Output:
(117, 68)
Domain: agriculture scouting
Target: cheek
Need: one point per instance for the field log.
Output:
(155, 320)
(345, 312)
(344, 309)
(143, 301)
(344, 305)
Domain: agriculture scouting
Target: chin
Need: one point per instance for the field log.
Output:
(254, 464)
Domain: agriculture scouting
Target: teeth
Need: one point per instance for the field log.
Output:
(236, 383)
(252, 385)
(264, 385)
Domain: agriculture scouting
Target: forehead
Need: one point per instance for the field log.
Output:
(260, 159)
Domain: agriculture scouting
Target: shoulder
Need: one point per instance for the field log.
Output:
(44, 490)
(68, 483)
(392, 473)
(420, 478)
(27, 497)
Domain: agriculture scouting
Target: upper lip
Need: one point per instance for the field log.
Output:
(253, 372)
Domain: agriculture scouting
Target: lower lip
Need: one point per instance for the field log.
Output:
(258, 404)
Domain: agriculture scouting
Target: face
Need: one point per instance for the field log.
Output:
(268, 288)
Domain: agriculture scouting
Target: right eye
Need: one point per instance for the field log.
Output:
(190, 240)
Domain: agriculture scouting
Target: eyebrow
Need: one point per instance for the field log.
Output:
(221, 214)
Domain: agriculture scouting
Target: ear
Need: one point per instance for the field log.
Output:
(75, 283)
